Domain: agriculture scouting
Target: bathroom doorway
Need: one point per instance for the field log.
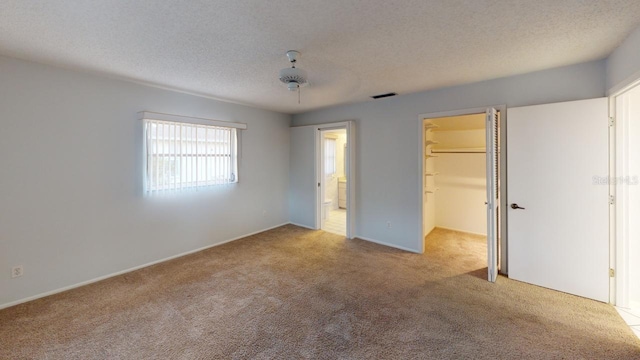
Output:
(333, 180)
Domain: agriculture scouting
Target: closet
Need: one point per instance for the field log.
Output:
(455, 173)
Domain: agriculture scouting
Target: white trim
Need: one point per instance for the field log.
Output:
(327, 126)
(619, 213)
(318, 170)
(427, 234)
(423, 180)
(349, 126)
(458, 230)
(469, 111)
(148, 115)
(387, 244)
(614, 226)
(625, 85)
(302, 226)
(100, 278)
(618, 217)
(351, 178)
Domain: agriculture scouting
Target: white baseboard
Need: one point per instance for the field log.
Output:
(303, 226)
(634, 305)
(83, 283)
(370, 240)
(459, 230)
(388, 244)
(430, 230)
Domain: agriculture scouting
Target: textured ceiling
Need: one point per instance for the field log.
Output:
(232, 50)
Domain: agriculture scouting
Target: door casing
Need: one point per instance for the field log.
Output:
(350, 173)
(619, 240)
(503, 171)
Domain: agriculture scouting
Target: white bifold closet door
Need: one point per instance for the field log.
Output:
(493, 199)
(558, 221)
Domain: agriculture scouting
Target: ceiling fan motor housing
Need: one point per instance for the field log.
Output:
(293, 77)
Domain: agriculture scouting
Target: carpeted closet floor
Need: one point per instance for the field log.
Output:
(292, 293)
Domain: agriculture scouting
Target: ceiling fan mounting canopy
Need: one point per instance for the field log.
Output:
(292, 55)
(293, 77)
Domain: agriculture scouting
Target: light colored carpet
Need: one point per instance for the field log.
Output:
(292, 293)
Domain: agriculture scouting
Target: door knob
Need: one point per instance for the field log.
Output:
(515, 206)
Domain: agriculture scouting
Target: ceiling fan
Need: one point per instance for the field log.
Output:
(293, 77)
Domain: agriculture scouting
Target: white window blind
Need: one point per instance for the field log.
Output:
(183, 155)
(329, 156)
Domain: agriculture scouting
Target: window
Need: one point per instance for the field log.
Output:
(329, 156)
(182, 155)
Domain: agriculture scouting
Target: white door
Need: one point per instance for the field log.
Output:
(492, 193)
(559, 209)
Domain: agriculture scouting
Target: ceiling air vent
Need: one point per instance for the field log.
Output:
(383, 95)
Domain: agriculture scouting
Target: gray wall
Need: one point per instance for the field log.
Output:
(71, 201)
(72, 207)
(623, 65)
(388, 140)
(302, 177)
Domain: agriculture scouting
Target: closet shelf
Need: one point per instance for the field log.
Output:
(430, 142)
(430, 156)
(470, 150)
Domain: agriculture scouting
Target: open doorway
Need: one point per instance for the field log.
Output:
(333, 189)
(461, 188)
(307, 177)
(626, 189)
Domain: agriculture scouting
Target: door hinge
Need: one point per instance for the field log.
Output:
(612, 200)
(612, 273)
(612, 121)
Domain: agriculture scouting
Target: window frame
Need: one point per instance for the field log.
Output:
(194, 126)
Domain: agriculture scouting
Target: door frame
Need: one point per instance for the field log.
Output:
(350, 171)
(503, 172)
(618, 235)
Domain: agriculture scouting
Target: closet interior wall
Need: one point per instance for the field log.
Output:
(456, 174)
